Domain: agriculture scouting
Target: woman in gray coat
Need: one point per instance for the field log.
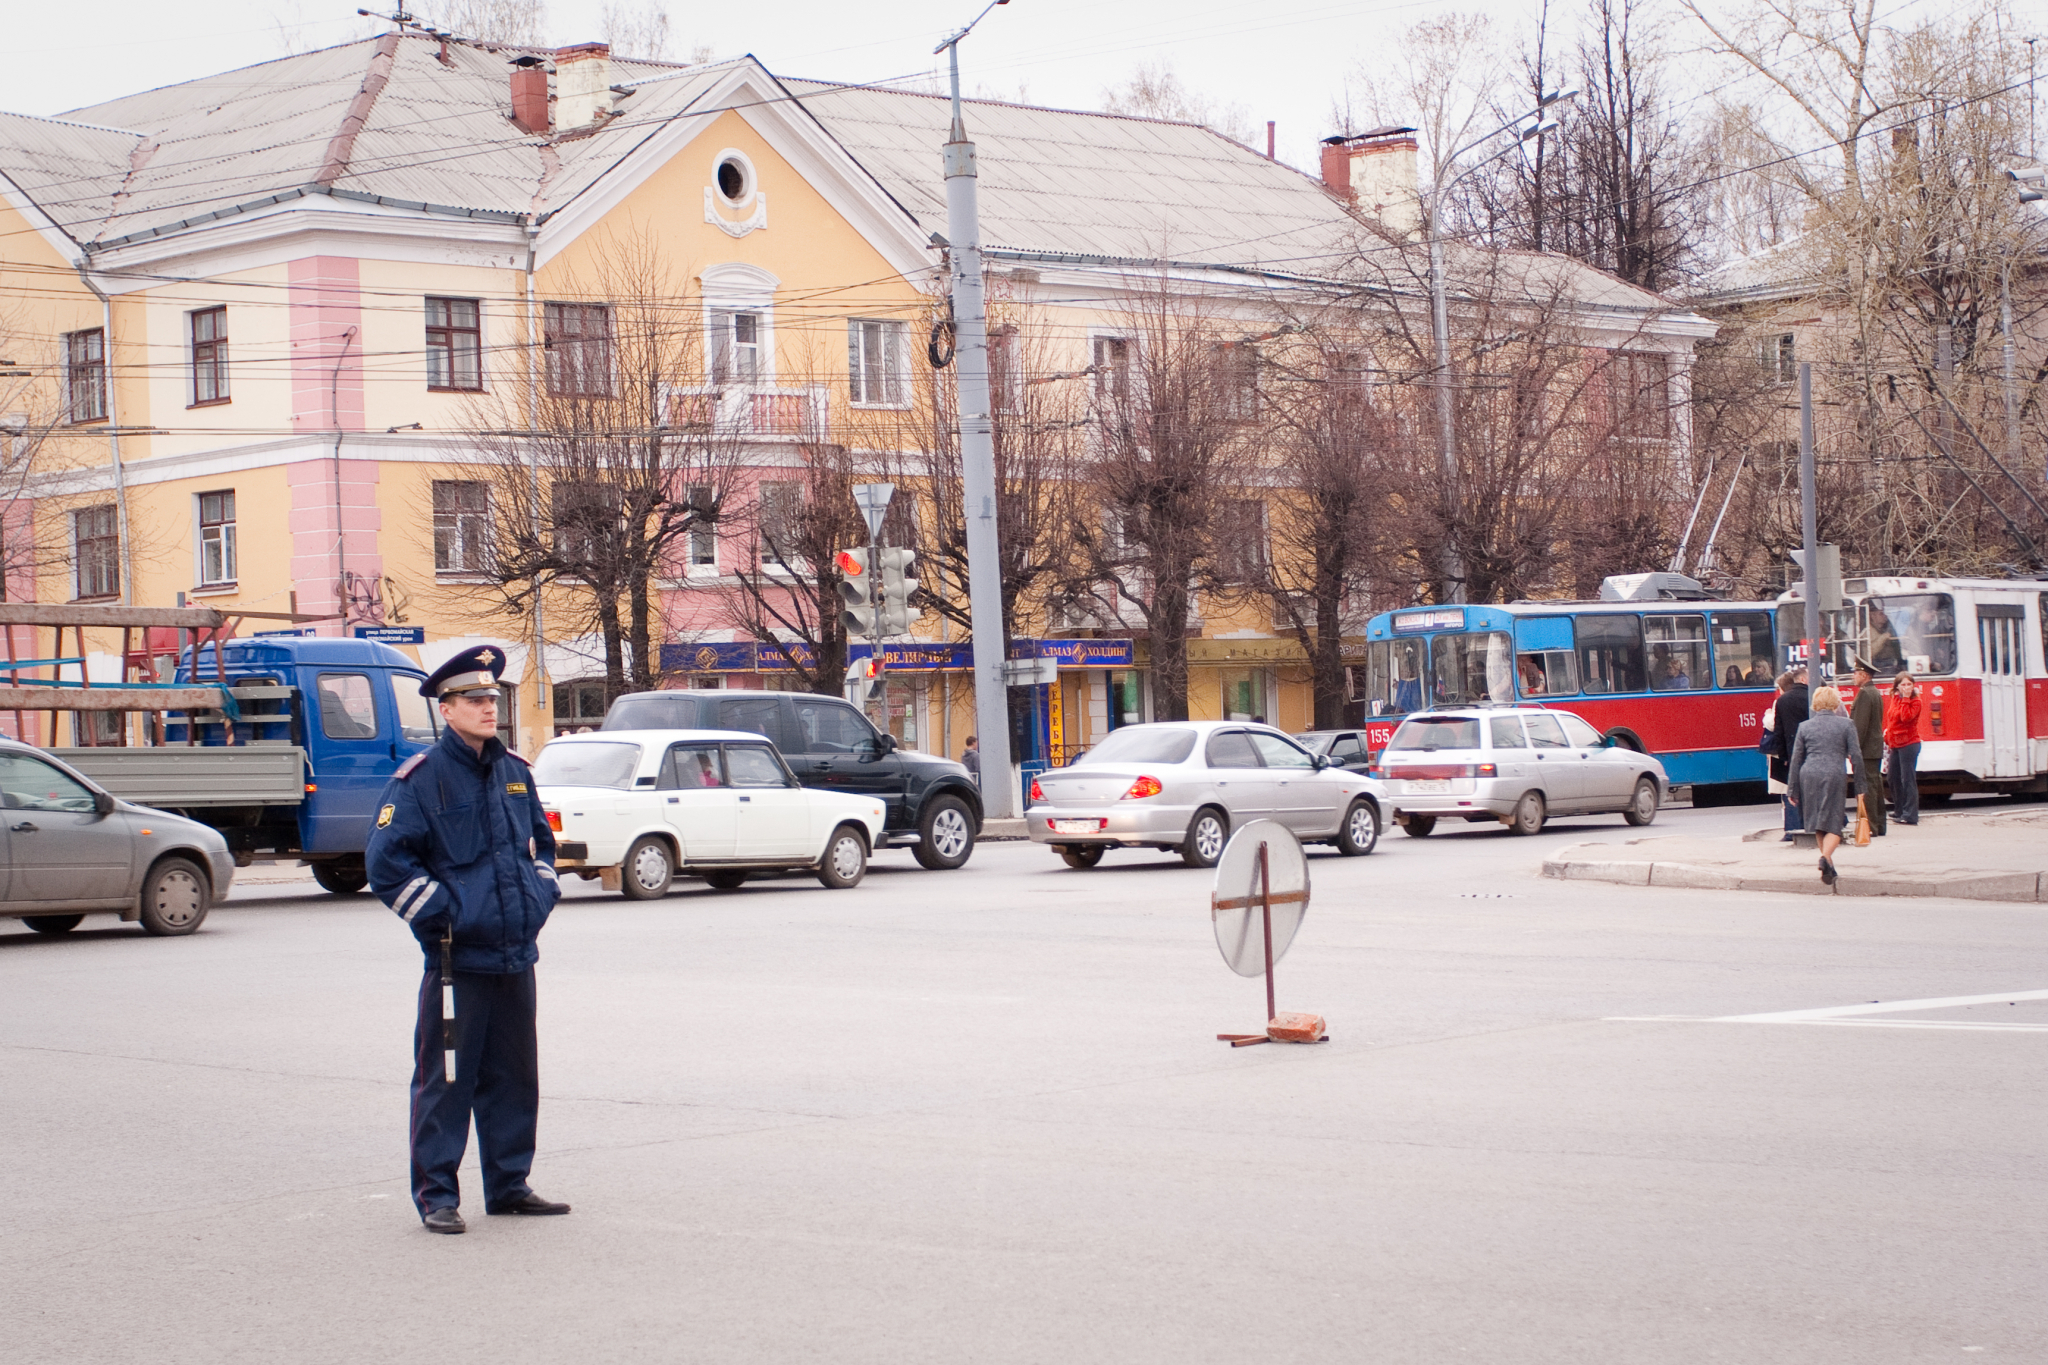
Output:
(1826, 747)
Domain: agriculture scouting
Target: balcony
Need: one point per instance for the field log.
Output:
(751, 412)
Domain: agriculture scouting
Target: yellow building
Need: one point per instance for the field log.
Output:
(261, 330)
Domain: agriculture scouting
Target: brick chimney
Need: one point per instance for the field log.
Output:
(583, 84)
(1376, 171)
(530, 94)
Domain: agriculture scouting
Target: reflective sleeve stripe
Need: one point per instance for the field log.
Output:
(410, 901)
(545, 871)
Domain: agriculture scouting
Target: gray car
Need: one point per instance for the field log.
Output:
(67, 848)
(1518, 765)
(1182, 786)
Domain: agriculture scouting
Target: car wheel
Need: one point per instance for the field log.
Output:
(1207, 833)
(1361, 832)
(1081, 856)
(731, 879)
(342, 876)
(53, 924)
(1642, 807)
(1529, 815)
(174, 899)
(845, 861)
(945, 835)
(1418, 826)
(648, 869)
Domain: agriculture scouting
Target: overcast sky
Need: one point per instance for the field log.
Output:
(1286, 60)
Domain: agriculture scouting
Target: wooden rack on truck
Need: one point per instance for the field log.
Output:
(178, 628)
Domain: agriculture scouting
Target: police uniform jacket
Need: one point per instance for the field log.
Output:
(451, 846)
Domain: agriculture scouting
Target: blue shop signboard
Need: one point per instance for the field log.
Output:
(392, 635)
(915, 657)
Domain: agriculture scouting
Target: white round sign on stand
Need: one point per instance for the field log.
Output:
(1257, 905)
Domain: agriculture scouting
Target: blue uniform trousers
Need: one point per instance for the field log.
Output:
(497, 1077)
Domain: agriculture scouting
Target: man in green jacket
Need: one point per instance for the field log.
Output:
(1867, 715)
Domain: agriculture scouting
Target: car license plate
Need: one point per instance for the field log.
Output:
(1419, 785)
(1076, 826)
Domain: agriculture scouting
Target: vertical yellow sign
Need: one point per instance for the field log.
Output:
(1056, 724)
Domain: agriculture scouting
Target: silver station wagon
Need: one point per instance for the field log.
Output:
(1519, 765)
(1182, 786)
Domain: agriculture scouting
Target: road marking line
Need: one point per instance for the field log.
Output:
(1859, 1016)
(1882, 1007)
(1833, 1023)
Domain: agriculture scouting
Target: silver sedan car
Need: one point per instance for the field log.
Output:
(1518, 765)
(1182, 786)
(67, 849)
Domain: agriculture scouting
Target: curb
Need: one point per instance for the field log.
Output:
(1993, 886)
(1003, 831)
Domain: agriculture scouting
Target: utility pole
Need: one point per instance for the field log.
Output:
(1809, 525)
(999, 795)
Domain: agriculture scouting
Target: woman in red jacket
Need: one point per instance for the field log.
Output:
(1902, 745)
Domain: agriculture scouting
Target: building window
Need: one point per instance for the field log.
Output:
(781, 524)
(216, 538)
(208, 329)
(579, 707)
(1774, 357)
(1644, 402)
(735, 348)
(462, 526)
(96, 551)
(1237, 381)
(85, 375)
(874, 357)
(588, 525)
(578, 343)
(703, 526)
(1241, 551)
(455, 345)
(1006, 370)
(1112, 362)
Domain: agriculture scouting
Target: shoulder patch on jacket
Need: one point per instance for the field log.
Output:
(384, 816)
(405, 769)
(514, 753)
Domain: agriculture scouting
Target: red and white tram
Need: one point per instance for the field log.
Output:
(1979, 647)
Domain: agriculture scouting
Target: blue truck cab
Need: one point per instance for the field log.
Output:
(350, 708)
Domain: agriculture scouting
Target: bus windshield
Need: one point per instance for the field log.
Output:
(1916, 631)
(1394, 671)
(1473, 668)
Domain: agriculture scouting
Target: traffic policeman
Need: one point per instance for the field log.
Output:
(461, 852)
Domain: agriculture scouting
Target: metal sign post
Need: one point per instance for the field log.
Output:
(1265, 859)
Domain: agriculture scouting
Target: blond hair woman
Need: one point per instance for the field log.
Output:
(1826, 748)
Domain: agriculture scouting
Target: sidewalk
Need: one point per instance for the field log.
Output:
(2000, 857)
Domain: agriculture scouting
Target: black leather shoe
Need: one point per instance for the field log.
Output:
(530, 1204)
(444, 1220)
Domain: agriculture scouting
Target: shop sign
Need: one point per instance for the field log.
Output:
(393, 635)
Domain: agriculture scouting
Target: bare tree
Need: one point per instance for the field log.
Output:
(1155, 90)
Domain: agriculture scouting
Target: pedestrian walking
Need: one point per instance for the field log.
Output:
(1902, 747)
(1826, 749)
(462, 853)
(971, 757)
(1787, 715)
(1866, 713)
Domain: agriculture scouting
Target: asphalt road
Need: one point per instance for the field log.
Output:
(982, 1117)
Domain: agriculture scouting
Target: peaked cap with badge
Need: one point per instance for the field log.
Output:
(472, 671)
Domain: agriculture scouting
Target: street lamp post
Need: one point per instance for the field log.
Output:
(999, 795)
(1452, 561)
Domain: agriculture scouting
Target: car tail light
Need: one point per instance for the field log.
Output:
(1142, 788)
(1037, 792)
(555, 821)
(1484, 770)
(1376, 772)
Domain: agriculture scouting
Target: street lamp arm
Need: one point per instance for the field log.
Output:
(970, 27)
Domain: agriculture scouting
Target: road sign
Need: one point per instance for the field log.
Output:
(1031, 672)
(392, 635)
(1257, 904)
(873, 501)
(294, 632)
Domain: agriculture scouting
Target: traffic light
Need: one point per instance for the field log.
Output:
(858, 615)
(897, 585)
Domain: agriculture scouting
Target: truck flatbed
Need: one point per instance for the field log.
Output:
(179, 776)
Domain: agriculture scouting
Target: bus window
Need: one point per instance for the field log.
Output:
(1547, 673)
(1742, 648)
(1393, 676)
(1473, 668)
(1917, 632)
(1678, 652)
(1838, 628)
(1611, 653)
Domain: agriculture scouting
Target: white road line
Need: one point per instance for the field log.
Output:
(1881, 1007)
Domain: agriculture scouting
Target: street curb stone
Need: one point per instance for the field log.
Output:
(2025, 887)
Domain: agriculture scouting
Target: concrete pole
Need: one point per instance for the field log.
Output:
(1809, 525)
(1451, 560)
(999, 795)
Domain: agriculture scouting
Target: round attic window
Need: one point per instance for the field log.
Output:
(735, 179)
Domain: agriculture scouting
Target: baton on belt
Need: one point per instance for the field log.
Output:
(448, 1006)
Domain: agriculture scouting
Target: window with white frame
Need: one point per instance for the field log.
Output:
(216, 538)
(1241, 550)
(703, 550)
(578, 342)
(781, 523)
(736, 347)
(1775, 357)
(85, 375)
(1006, 369)
(1237, 380)
(209, 330)
(462, 526)
(1112, 362)
(875, 362)
(96, 551)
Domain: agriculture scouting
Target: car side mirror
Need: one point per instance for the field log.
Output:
(103, 803)
(1322, 761)
(1607, 741)
(889, 745)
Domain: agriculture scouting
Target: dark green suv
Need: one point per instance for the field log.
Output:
(934, 804)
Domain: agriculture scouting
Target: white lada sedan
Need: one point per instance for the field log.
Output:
(638, 808)
(1184, 785)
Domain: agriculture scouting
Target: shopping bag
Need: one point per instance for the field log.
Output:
(1862, 822)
